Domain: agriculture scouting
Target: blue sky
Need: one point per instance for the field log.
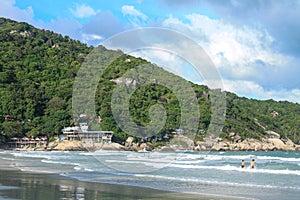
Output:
(254, 44)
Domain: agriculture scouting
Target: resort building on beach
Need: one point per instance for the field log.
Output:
(83, 133)
(16, 142)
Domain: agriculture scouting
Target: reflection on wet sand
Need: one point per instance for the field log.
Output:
(22, 185)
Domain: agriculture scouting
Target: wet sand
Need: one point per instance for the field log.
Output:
(16, 184)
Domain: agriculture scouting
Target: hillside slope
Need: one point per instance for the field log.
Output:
(38, 69)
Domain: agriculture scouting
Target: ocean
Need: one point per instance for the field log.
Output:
(276, 175)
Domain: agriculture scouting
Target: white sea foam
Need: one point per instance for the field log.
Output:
(190, 156)
(241, 157)
(77, 168)
(8, 159)
(225, 157)
(188, 162)
(103, 152)
(234, 168)
(211, 182)
(4, 187)
(88, 170)
(278, 158)
(81, 168)
(153, 159)
(59, 162)
(32, 155)
(133, 163)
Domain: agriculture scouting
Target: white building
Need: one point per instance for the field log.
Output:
(82, 133)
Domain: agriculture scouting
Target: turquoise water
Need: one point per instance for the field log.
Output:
(276, 176)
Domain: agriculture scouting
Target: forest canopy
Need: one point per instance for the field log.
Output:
(38, 70)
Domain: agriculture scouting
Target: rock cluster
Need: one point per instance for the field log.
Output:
(269, 144)
(78, 146)
(131, 146)
(209, 144)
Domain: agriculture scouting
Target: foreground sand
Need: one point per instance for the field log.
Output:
(16, 184)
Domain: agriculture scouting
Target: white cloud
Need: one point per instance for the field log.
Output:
(244, 57)
(83, 11)
(135, 16)
(233, 49)
(9, 10)
(91, 38)
(130, 10)
(254, 90)
(104, 25)
(163, 58)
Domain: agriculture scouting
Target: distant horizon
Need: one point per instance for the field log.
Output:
(253, 44)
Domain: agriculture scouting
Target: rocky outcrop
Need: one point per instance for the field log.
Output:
(81, 146)
(138, 147)
(268, 147)
(69, 146)
(273, 134)
(259, 124)
(129, 141)
(26, 34)
(289, 143)
(112, 147)
(267, 144)
(179, 142)
(278, 144)
(126, 81)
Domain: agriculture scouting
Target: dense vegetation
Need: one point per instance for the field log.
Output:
(38, 69)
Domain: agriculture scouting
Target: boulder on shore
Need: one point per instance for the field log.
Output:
(267, 144)
(69, 146)
(112, 146)
(129, 142)
(83, 146)
(278, 144)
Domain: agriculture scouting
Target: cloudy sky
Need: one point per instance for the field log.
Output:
(254, 44)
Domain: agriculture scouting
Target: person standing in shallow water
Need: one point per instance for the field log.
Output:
(243, 164)
(252, 164)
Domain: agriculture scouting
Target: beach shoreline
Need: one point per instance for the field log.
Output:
(18, 184)
(157, 175)
(218, 144)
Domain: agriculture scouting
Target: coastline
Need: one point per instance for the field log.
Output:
(216, 175)
(17, 184)
(271, 144)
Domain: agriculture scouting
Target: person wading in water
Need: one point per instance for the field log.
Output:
(243, 164)
(252, 164)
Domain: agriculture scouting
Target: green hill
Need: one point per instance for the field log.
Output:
(37, 73)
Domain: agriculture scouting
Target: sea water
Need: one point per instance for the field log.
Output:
(276, 175)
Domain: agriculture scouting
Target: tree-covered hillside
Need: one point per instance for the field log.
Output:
(38, 70)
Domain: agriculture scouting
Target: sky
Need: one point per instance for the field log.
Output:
(254, 44)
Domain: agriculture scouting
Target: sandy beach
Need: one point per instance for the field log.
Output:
(159, 175)
(16, 184)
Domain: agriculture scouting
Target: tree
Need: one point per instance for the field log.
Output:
(12, 129)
